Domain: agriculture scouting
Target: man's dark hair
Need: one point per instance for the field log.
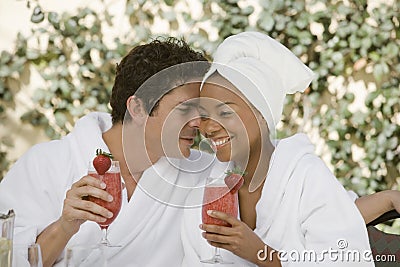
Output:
(141, 63)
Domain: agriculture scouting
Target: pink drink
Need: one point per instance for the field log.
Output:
(218, 198)
(114, 188)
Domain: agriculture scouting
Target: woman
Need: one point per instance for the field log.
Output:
(290, 202)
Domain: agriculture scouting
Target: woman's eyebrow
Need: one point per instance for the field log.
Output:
(219, 105)
(189, 103)
(225, 103)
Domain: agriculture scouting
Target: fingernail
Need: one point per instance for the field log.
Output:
(103, 219)
(109, 214)
(110, 198)
(209, 212)
(201, 226)
(103, 185)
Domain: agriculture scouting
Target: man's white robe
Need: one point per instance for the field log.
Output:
(147, 227)
(303, 210)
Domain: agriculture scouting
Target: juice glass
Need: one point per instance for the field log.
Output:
(217, 196)
(112, 179)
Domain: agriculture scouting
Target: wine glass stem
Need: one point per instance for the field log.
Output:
(104, 240)
(217, 256)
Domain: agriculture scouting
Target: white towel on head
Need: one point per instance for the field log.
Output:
(263, 70)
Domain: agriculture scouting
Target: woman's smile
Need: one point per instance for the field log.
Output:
(221, 142)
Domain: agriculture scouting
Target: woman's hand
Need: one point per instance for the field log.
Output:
(77, 209)
(239, 239)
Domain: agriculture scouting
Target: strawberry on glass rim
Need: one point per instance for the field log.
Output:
(234, 179)
(102, 161)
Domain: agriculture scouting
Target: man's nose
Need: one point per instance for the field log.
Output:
(195, 123)
(208, 127)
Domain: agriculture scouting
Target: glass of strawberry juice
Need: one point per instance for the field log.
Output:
(112, 179)
(217, 196)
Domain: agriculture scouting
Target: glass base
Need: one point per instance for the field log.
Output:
(217, 259)
(104, 242)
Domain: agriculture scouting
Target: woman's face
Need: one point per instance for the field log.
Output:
(229, 120)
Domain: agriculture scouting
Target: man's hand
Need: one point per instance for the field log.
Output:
(77, 209)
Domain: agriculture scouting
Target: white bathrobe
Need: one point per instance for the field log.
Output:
(147, 229)
(302, 208)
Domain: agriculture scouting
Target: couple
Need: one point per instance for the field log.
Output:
(300, 205)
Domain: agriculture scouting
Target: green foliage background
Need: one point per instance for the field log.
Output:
(352, 43)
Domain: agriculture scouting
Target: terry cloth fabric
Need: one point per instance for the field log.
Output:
(148, 230)
(303, 211)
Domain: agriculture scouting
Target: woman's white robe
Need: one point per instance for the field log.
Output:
(303, 210)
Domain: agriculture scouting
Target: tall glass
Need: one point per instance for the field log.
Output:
(5, 252)
(112, 179)
(217, 196)
(6, 238)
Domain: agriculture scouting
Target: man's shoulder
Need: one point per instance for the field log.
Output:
(49, 153)
(47, 148)
(41, 158)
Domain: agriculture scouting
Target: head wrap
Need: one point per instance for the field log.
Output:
(263, 70)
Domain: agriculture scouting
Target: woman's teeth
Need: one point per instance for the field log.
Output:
(222, 141)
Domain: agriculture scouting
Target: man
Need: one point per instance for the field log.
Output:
(48, 186)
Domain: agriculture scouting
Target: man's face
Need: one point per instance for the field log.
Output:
(171, 130)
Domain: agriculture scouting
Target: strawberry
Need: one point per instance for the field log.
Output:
(102, 161)
(234, 179)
